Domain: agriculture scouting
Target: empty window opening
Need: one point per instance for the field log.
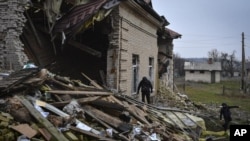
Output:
(151, 69)
(135, 70)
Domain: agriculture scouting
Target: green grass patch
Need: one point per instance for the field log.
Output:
(213, 93)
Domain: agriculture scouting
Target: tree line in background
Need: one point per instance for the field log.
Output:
(229, 63)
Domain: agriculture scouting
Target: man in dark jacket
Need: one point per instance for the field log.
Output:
(146, 88)
(226, 113)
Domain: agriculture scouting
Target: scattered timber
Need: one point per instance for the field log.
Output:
(84, 112)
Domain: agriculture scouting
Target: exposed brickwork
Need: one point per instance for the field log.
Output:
(113, 51)
(11, 24)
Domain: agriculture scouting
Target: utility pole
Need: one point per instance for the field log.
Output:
(243, 84)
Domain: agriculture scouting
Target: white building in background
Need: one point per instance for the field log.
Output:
(209, 72)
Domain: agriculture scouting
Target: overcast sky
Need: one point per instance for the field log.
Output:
(207, 25)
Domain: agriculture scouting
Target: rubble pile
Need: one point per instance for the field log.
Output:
(175, 99)
(39, 105)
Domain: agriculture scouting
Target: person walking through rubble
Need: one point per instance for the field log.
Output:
(226, 113)
(146, 88)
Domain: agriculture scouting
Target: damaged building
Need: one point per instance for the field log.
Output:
(114, 42)
(90, 56)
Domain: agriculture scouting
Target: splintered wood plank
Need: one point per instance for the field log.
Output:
(85, 48)
(92, 82)
(87, 100)
(71, 136)
(79, 92)
(115, 100)
(80, 101)
(38, 116)
(104, 117)
(105, 125)
(125, 104)
(25, 129)
(45, 134)
(107, 105)
(91, 134)
(109, 99)
(138, 114)
(62, 84)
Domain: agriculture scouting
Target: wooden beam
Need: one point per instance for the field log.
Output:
(80, 101)
(105, 125)
(105, 117)
(79, 92)
(138, 114)
(62, 114)
(62, 84)
(38, 116)
(113, 98)
(33, 29)
(92, 82)
(91, 134)
(85, 48)
(107, 105)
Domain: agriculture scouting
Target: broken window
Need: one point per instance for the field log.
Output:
(135, 70)
(191, 71)
(202, 71)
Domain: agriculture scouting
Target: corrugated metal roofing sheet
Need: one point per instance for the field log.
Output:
(77, 16)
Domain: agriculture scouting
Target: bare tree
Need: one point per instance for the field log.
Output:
(248, 59)
(228, 63)
(232, 62)
(214, 54)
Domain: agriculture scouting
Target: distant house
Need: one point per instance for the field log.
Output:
(248, 70)
(203, 72)
(236, 73)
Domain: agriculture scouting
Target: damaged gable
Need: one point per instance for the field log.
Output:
(97, 37)
(41, 25)
(165, 56)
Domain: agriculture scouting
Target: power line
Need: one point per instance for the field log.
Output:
(208, 45)
(209, 36)
(247, 35)
(210, 40)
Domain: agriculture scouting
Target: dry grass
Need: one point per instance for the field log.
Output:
(213, 93)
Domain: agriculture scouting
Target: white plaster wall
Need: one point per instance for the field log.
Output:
(217, 77)
(198, 77)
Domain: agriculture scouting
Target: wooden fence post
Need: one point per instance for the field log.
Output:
(223, 90)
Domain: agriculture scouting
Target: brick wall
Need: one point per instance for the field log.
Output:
(12, 22)
(136, 35)
(166, 48)
(113, 51)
